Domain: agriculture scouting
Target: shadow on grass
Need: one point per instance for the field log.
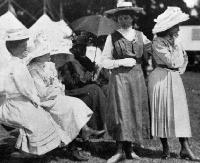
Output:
(105, 150)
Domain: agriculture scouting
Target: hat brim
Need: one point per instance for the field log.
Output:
(17, 39)
(132, 10)
(165, 27)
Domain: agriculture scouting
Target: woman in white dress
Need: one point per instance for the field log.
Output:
(169, 109)
(21, 106)
(70, 113)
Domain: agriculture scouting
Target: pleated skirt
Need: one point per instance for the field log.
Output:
(169, 109)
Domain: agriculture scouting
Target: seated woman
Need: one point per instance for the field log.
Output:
(21, 109)
(78, 77)
(89, 92)
(70, 113)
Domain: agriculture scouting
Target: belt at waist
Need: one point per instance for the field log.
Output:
(165, 66)
(138, 60)
(17, 97)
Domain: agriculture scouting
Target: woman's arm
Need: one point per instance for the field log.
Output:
(183, 67)
(25, 83)
(147, 44)
(39, 83)
(172, 58)
(107, 60)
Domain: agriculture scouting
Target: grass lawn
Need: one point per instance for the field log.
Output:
(101, 150)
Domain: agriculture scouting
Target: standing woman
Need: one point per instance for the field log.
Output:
(127, 114)
(169, 109)
(20, 109)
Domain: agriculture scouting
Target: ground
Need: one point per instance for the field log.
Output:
(101, 150)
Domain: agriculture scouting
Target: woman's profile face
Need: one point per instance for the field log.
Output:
(174, 31)
(125, 21)
(22, 49)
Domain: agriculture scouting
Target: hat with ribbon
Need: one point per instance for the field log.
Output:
(124, 6)
(169, 18)
(16, 34)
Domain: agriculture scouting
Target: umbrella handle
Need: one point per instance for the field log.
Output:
(95, 53)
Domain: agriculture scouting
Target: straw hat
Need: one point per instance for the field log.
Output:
(171, 17)
(124, 6)
(16, 34)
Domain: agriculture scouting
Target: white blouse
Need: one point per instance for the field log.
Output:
(18, 81)
(107, 60)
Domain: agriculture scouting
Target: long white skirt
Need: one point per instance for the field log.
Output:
(169, 109)
(39, 133)
(70, 114)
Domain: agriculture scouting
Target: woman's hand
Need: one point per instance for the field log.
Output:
(128, 62)
(182, 70)
(88, 76)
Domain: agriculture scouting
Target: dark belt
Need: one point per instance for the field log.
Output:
(138, 60)
(165, 66)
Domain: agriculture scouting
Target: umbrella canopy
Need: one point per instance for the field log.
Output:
(96, 24)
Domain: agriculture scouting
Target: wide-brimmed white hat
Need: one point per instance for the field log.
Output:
(61, 46)
(39, 46)
(124, 6)
(169, 18)
(16, 34)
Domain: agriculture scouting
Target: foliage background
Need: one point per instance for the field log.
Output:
(28, 11)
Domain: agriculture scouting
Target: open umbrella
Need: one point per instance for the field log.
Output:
(97, 24)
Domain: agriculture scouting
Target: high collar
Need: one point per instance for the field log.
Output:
(126, 30)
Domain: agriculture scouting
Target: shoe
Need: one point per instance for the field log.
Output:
(129, 151)
(23, 155)
(165, 154)
(117, 157)
(133, 155)
(80, 155)
(188, 155)
(86, 133)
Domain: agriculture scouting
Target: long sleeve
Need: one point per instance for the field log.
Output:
(39, 83)
(107, 60)
(183, 67)
(51, 69)
(25, 83)
(173, 57)
(147, 44)
(46, 82)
